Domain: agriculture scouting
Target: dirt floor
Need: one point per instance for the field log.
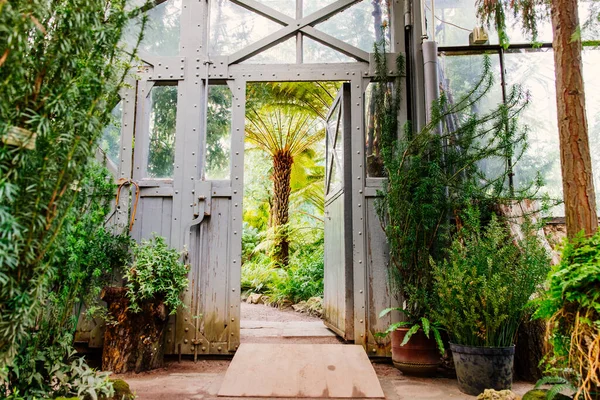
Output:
(202, 380)
(261, 312)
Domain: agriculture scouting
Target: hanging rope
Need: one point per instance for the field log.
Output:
(128, 182)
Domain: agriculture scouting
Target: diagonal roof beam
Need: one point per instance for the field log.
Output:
(287, 31)
(321, 37)
(336, 44)
(265, 11)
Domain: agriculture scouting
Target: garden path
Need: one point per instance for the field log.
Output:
(265, 324)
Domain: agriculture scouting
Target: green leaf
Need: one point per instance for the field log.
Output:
(438, 339)
(410, 333)
(389, 310)
(425, 326)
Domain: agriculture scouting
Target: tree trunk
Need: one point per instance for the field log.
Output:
(530, 349)
(133, 341)
(576, 164)
(282, 172)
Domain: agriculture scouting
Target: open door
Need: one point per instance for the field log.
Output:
(338, 301)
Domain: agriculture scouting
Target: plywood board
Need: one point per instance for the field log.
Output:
(301, 371)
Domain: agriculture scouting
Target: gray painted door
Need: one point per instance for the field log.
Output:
(338, 296)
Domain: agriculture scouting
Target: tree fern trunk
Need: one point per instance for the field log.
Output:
(282, 171)
(133, 341)
(576, 164)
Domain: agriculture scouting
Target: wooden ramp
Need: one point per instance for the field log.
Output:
(301, 371)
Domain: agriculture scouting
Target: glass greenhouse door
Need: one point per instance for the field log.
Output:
(338, 301)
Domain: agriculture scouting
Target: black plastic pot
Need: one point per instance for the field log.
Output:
(480, 368)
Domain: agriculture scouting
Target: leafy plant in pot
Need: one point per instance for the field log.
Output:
(484, 288)
(428, 182)
(139, 311)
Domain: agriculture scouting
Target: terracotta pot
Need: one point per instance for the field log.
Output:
(420, 356)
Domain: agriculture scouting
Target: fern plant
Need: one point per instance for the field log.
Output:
(485, 285)
(572, 307)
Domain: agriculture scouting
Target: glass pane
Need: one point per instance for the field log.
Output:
(588, 17)
(283, 53)
(339, 147)
(359, 25)
(591, 79)
(315, 52)
(110, 142)
(232, 27)
(310, 6)
(334, 133)
(161, 36)
(459, 75)
(372, 136)
(218, 136)
(287, 7)
(456, 19)
(163, 116)
(535, 71)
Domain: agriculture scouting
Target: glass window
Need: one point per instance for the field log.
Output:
(315, 52)
(283, 53)
(162, 31)
(458, 76)
(375, 166)
(287, 7)
(232, 27)
(534, 70)
(335, 149)
(359, 25)
(591, 79)
(218, 136)
(455, 19)
(310, 6)
(163, 117)
(110, 142)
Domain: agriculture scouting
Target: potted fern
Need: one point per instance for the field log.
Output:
(484, 287)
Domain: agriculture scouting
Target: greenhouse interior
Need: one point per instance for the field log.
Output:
(299, 199)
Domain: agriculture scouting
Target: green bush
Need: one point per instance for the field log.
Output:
(572, 306)
(86, 258)
(62, 71)
(487, 281)
(156, 274)
(303, 279)
(259, 274)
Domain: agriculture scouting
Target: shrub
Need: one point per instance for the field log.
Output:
(156, 274)
(86, 257)
(258, 274)
(303, 279)
(572, 306)
(61, 71)
(486, 283)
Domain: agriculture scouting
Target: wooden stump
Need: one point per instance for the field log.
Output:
(133, 341)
